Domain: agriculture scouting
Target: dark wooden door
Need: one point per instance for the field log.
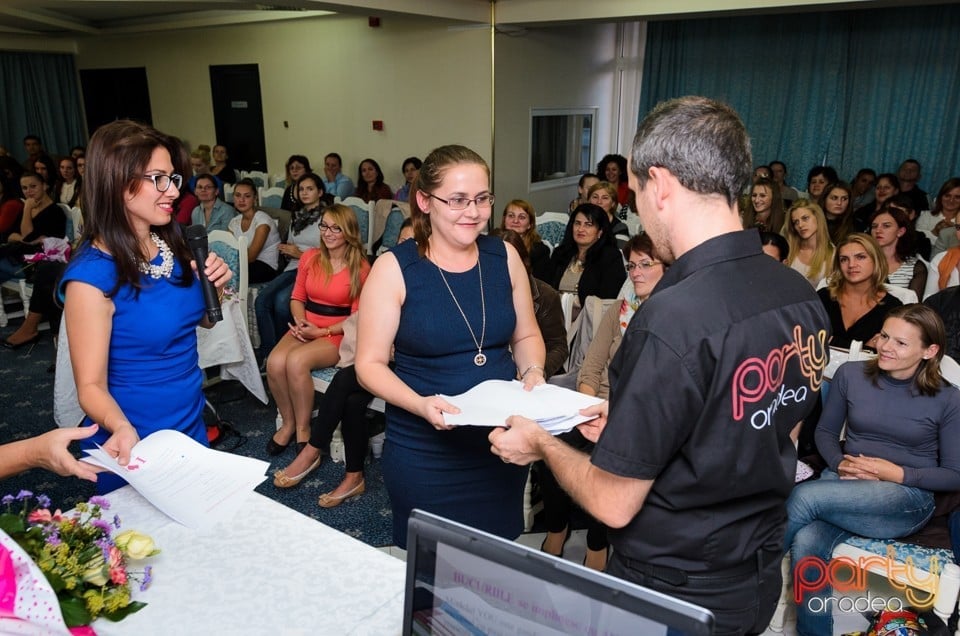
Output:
(238, 114)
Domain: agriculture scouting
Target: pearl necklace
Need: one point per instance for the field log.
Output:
(165, 268)
(480, 359)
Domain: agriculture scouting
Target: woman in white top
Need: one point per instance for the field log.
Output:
(260, 230)
(272, 306)
(945, 208)
(809, 238)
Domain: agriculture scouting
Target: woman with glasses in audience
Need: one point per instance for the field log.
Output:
(489, 332)
(764, 209)
(855, 298)
(272, 306)
(645, 269)
(132, 296)
(892, 229)
(945, 208)
(370, 185)
(296, 166)
(587, 262)
(519, 216)
(890, 435)
(260, 230)
(212, 212)
(835, 203)
(810, 248)
(326, 292)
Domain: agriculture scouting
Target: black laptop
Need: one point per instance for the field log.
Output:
(464, 581)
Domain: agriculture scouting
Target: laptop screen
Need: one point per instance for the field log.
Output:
(464, 581)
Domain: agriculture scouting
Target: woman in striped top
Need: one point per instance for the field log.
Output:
(894, 232)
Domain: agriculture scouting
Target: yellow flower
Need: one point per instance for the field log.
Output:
(135, 544)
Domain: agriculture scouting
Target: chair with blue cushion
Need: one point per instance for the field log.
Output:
(391, 230)
(364, 212)
(551, 227)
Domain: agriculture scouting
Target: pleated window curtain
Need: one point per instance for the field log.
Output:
(851, 89)
(40, 95)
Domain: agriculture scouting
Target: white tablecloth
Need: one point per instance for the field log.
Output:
(270, 571)
(228, 344)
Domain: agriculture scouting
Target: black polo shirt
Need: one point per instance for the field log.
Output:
(713, 372)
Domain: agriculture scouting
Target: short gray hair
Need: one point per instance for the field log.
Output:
(702, 142)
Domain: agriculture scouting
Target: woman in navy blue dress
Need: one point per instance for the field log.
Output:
(132, 298)
(453, 304)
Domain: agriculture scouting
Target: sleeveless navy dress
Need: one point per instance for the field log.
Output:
(451, 473)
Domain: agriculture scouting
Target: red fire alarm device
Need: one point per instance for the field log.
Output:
(378, 124)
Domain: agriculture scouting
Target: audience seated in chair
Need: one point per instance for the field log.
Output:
(887, 185)
(943, 215)
(809, 239)
(326, 291)
(881, 482)
(212, 212)
(835, 203)
(334, 181)
(221, 165)
(411, 168)
(587, 181)
(41, 218)
(259, 229)
(296, 166)
(272, 305)
(587, 263)
(645, 269)
(604, 194)
(519, 216)
(370, 185)
(893, 231)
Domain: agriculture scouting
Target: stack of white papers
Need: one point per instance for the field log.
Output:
(490, 403)
(190, 483)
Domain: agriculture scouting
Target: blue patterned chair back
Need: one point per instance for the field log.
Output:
(391, 228)
(551, 232)
(231, 256)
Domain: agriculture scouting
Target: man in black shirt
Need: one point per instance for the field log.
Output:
(695, 459)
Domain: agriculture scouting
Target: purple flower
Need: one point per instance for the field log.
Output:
(101, 524)
(97, 500)
(7, 500)
(147, 578)
(54, 538)
(43, 501)
(116, 521)
(24, 494)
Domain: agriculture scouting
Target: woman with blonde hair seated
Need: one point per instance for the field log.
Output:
(808, 236)
(519, 216)
(326, 291)
(855, 298)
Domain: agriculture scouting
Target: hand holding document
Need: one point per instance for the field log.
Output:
(490, 403)
(190, 483)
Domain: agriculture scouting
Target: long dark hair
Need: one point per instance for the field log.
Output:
(568, 247)
(364, 190)
(117, 155)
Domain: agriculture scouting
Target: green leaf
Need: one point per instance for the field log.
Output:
(12, 524)
(75, 612)
(123, 612)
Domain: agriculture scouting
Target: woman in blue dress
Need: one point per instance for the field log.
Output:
(132, 297)
(453, 304)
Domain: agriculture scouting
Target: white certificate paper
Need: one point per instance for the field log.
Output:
(190, 483)
(490, 403)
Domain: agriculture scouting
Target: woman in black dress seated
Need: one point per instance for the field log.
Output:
(588, 262)
(855, 297)
(519, 216)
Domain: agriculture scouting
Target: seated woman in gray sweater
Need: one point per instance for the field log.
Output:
(902, 445)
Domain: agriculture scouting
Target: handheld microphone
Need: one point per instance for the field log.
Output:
(197, 239)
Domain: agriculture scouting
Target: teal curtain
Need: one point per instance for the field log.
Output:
(40, 94)
(850, 89)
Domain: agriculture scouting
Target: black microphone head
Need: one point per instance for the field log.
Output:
(196, 236)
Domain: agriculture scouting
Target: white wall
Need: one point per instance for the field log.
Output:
(329, 77)
(556, 67)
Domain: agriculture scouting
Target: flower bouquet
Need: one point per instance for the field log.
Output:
(84, 563)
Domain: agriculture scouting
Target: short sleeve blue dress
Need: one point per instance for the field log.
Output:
(152, 370)
(452, 473)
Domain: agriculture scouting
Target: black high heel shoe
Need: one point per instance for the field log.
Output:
(274, 449)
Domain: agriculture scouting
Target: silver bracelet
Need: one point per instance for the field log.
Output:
(530, 368)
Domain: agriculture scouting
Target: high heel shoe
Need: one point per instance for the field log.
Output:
(563, 545)
(280, 479)
(274, 449)
(328, 500)
(14, 346)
